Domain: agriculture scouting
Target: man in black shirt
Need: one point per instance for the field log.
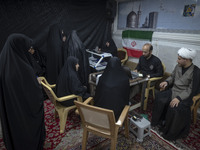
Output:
(149, 65)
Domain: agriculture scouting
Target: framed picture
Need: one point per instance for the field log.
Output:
(189, 10)
(158, 15)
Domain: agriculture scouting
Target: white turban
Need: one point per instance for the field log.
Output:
(187, 53)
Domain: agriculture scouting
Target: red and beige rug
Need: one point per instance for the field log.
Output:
(72, 138)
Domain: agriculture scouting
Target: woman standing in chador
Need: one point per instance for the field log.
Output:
(21, 98)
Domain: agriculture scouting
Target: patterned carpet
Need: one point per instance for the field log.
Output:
(71, 139)
(191, 142)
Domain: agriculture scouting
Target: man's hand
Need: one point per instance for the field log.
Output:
(163, 85)
(174, 103)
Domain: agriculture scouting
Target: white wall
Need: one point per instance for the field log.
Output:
(166, 46)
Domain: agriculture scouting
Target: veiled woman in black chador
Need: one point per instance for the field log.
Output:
(109, 47)
(113, 88)
(55, 52)
(68, 81)
(21, 98)
(76, 48)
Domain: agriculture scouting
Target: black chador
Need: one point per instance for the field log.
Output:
(68, 82)
(55, 53)
(76, 48)
(21, 98)
(113, 88)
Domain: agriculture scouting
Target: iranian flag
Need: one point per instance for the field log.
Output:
(133, 41)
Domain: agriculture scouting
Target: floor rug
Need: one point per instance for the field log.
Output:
(71, 139)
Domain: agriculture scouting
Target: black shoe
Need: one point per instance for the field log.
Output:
(161, 129)
(153, 124)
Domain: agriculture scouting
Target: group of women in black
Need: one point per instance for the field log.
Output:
(21, 96)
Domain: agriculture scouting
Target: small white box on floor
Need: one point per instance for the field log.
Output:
(140, 128)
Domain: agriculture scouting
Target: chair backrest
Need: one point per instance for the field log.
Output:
(196, 100)
(49, 92)
(43, 79)
(97, 119)
(122, 55)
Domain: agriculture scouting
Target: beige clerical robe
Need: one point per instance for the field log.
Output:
(182, 84)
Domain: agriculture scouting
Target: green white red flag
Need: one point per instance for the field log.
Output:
(133, 41)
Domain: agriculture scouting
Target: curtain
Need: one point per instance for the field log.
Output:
(90, 18)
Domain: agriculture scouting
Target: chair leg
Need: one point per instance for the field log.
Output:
(153, 91)
(126, 123)
(85, 136)
(194, 116)
(113, 143)
(55, 114)
(195, 112)
(63, 119)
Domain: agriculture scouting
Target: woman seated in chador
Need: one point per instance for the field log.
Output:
(109, 47)
(113, 88)
(68, 81)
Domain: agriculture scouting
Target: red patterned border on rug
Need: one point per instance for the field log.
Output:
(161, 138)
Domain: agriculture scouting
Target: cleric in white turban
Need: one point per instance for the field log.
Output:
(187, 53)
(172, 106)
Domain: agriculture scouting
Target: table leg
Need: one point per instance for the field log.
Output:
(144, 85)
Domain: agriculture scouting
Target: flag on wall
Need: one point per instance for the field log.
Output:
(133, 41)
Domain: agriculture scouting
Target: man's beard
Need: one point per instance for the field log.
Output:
(148, 56)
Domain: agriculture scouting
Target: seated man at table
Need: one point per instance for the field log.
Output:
(149, 65)
(171, 110)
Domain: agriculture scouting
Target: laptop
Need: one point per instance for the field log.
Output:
(131, 74)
